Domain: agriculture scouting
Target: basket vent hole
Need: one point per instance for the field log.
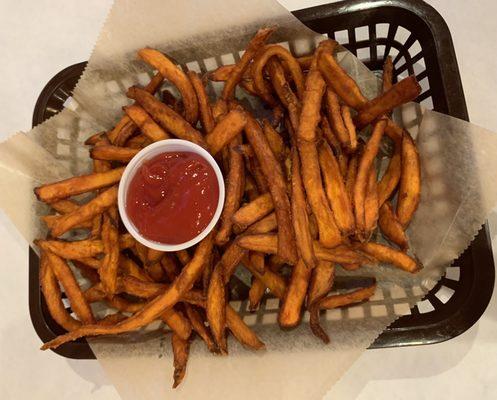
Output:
(378, 310)
(272, 304)
(210, 63)
(425, 307)
(334, 315)
(356, 312)
(227, 59)
(342, 37)
(363, 54)
(428, 103)
(380, 50)
(269, 318)
(250, 319)
(415, 48)
(62, 150)
(113, 87)
(143, 78)
(63, 133)
(425, 84)
(444, 294)
(362, 33)
(193, 66)
(453, 273)
(378, 295)
(396, 292)
(382, 30)
(286, 45)
(402, 34)
(236, 305)
(419, 66)
(402, 309)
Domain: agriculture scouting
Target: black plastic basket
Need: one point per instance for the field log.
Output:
(461, 296)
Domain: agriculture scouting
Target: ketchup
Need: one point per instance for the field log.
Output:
(173, 197)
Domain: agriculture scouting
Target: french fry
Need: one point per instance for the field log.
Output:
(170, 267)
(351, 176)
(390, 179)
(334, 301)
(273, 173)
(349, 124)
(338, 80)
(93, 139)
(145, 123)
(341, 255)
(253, 211)
(410, 181)
(391, 227)
(183, 257)
(290, 63)
(216, 308)
(177, 77)
(129, 267)
(329, 234)
(166, 117)
(365, 165)
(155, 271)
(94, 207)
(181, 349)
(241, 66)
(235, 182)
(387, 74)
(336, 191)
(300, 218)
(110, 262)
(66, 278)
(321, 282)
(204, 106)
(255, 294)
(229, 127)
(335, 117)
(231, 258)
(330, 137)
(154, 308)
(265, 225)
(53, 296)
(241, 331)
(290, 310)
(274, 282)
(402, 92)
(50, 221)
(138, 142)
(113, 153)
(371, 206)
(391, 256)
(275, 140)
(198, 326)
(80, 184)
(65, 206)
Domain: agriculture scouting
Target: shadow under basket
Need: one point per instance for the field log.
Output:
(418, 40)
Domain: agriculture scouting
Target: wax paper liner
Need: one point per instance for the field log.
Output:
(457, 194)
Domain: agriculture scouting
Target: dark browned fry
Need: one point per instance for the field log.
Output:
(235, 182)
(198, 326)
(387, 74)
(391, 177)
(349, 124)
(73, 292)
(203, 102)
(110, 262)
(181, 349)
(335, 117)
(154, 308)
(300, 218)
(236, 74)
(177, 77)
(402, 92)
(274, 174)
(53, 296)
(80, 184)
(275, 140)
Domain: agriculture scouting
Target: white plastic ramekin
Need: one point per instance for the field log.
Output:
(166, 146)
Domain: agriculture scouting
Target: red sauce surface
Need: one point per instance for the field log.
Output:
(173, 197)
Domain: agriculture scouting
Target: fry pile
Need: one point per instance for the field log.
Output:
(303, 197)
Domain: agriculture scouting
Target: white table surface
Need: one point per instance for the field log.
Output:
(38, 39)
